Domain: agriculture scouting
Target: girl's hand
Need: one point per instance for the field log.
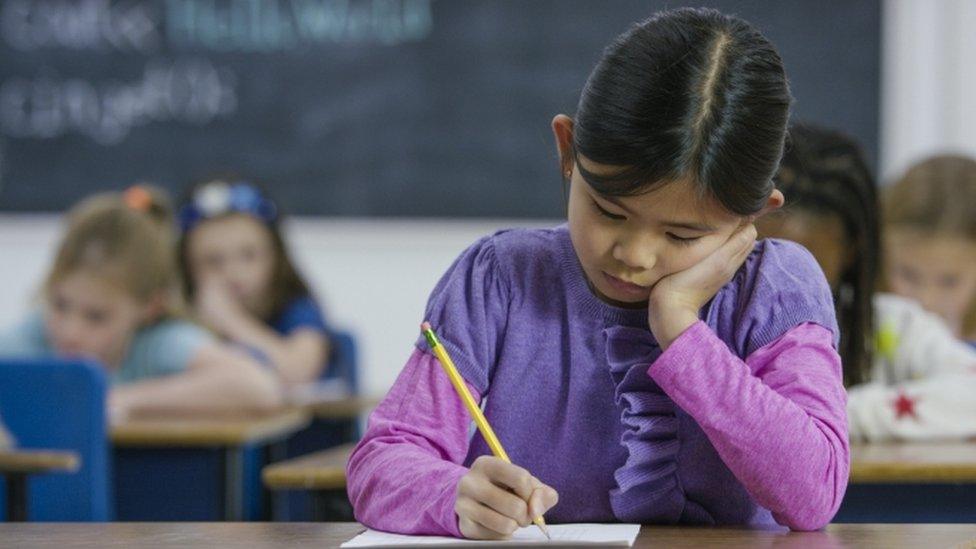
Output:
(118, 406)
(495, 498)
(676, 299)
(216, 306)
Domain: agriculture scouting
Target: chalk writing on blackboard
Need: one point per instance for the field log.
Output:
(179, 81)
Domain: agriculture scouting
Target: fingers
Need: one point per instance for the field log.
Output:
(506, 503)
(506, 475)
(495, 497)
(542, 499)
(486, 522)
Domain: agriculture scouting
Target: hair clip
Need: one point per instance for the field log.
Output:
(137, 198)
(219, 198)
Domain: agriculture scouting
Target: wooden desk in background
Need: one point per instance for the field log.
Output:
(17, 465)
(929, 462)
(911, 482)
(336, 422)
(322, 473)
(346, 408)
(230, 435)
(162, 535)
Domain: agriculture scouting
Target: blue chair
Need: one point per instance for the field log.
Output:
(296, 506)
(344, 360)
(322, 434)
(60, 405)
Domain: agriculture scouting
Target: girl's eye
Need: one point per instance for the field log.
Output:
(948, 281)
(60, 304)
(96, 317)
(682, 241)
(607, 214)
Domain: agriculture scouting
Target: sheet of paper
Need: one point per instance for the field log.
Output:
(563, 535)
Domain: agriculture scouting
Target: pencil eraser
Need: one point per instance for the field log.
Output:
(424, 326)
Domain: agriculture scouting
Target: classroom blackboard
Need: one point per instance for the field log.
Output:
(353, 107)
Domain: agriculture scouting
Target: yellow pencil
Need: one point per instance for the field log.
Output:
(471, 405)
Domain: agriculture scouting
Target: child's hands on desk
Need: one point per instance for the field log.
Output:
(677, 298)
(495, 498)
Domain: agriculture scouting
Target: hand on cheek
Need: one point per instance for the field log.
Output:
(676, 299)
(216, 305)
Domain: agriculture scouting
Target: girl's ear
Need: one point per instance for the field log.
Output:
(562, 129)
(773, 203)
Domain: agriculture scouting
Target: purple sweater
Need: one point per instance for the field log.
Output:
(740, 421)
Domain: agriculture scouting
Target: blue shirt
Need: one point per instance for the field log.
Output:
(160, 349)
(303, 312)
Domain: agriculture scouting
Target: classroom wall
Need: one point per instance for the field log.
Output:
(373, 275)
(928, 75)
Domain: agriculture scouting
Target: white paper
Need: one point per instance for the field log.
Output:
(563, 535)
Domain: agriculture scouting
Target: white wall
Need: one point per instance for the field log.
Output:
(373, 276)
(928, 82)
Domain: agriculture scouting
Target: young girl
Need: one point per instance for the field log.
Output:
(242, 283)
(111, 296)
(648, 362)
(930, 239)
(907, 376)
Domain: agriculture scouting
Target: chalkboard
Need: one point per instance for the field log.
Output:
(353, 107)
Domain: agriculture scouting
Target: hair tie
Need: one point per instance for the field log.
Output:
(219, 198)
(138, 198)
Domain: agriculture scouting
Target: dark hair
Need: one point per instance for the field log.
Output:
(686, 93)
(286, 285)
(824, 172)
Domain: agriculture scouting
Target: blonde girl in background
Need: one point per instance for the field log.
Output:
(930, 239)
(111, 296)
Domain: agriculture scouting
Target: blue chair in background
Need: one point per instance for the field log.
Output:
(323, 433)
(60, 405)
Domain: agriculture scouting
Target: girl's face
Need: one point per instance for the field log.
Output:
(822, 234)
(88, 316)
(627, 244)
(237, 251)
(938, 271)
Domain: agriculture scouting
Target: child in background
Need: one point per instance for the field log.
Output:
(242, 283)
(112, 296)
(908, 378)
(650, 361)
(930, 239)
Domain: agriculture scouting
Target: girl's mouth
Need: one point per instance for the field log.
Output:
(624, 287)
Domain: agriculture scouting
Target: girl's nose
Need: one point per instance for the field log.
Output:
(637, 254)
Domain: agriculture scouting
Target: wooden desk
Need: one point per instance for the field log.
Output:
(323, 474)
(230, 435)
(931, 462)
(911, 483)
(16, 465)
(205, 432)
(161, 535)
(324, 470)
(347, 408)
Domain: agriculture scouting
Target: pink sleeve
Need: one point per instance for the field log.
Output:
(777, 420)
(402, 477)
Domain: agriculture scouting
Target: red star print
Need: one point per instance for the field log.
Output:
(905, 406)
